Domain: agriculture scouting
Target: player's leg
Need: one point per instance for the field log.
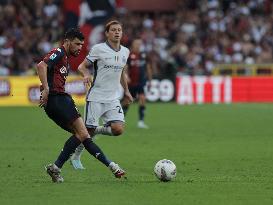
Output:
(63, 111)
(141, 108)
(93, 149)
(112, 128)
(81, 136)
(96, 151)
(75, 158)
(114, 118)
(92, 113)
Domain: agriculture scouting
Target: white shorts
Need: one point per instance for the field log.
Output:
(107, 112)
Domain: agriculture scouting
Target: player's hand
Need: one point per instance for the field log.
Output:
(44, 98)
(87, 82)
(128, 99)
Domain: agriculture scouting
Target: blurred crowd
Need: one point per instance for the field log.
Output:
(190, 40)
(28, 30)
(201, 34)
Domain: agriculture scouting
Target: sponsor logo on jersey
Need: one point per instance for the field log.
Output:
(116, 68)
(63, 70)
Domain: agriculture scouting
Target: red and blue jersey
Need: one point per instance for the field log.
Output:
(57, 70)
(137, 64)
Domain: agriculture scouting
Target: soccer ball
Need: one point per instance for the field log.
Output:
(165, 170)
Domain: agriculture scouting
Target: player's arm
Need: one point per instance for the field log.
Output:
(47, 63)
(123, 82)
(123, 79)
(42, 73)
(83, 70)
(92, 56)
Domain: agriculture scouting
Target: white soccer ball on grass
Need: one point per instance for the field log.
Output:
(165, 170)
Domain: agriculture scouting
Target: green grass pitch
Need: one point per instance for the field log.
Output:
(223, 154)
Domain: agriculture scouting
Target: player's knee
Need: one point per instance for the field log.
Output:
(117, 130)
(82, 135)
(142, 99)
(91, 132)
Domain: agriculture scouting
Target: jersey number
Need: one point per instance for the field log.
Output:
(119, 109)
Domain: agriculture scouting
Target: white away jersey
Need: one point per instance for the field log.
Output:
(108, 65)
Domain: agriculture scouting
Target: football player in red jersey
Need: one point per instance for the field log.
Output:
(139, 71)
(60, 107)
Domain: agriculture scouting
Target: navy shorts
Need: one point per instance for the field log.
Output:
(136, 90)
(62, 110)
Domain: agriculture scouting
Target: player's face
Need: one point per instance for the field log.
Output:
(115, 33)
(136, 45)
(75, 47)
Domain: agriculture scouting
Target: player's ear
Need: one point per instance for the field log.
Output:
(66, 41)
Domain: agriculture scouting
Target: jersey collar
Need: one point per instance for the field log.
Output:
(108, 44)
(63, 48)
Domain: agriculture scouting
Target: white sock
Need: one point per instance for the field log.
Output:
(104, 130)
(78, 152)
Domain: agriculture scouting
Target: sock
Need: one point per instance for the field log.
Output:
(104, 130)
(125, 109)
(69, 147)
(94, 150)
(78, 152)
(141, 110)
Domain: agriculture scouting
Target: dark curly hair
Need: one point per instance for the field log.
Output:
(73, 33)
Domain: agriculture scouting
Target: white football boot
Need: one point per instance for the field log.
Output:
(142, 125)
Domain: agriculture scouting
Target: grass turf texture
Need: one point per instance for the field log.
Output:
(223, 155)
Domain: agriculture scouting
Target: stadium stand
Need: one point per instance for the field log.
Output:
(194, 39)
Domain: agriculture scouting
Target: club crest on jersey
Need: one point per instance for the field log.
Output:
(63, 70)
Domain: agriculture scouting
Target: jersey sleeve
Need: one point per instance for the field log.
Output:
(128, 56)
(93, 54)
(53, 57)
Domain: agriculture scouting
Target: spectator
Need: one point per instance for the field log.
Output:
(190, 40)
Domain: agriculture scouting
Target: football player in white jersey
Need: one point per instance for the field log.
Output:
(102, 101)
